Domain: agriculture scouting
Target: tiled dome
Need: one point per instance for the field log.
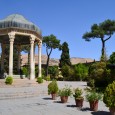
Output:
(18, 21)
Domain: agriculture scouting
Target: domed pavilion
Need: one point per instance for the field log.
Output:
(16, 30)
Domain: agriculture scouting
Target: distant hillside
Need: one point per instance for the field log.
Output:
(75, 60)
(54, 61)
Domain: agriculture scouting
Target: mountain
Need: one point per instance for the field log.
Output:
(53, 61)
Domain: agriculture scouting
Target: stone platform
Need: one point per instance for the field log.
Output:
(27, 97)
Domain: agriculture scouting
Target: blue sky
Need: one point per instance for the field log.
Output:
(68, 20)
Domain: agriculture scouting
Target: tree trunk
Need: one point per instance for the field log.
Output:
(47, 65)
(103, 50)
(48, 57)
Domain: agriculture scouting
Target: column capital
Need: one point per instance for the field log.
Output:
(11, 36)
(32, 39)
(39, 44)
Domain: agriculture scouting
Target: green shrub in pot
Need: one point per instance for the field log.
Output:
(53, 89)
(109, 97)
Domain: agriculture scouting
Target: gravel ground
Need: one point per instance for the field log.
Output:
(43, 105)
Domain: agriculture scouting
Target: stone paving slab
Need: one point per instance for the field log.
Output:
(42, 104)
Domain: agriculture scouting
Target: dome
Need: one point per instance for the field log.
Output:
(18, 21)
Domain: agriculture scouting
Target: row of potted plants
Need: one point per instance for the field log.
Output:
(91, 96)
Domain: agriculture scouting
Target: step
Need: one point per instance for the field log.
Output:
(22, 88)
(18, 95)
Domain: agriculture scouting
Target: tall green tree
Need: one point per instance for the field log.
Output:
(50, 42)
(104, 31)
(53, 71)
(65, 57)
(26, 49)
(81, 72)
(112, 58)
(100, 73)
(111, 66)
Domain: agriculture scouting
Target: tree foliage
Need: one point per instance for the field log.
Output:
(65, 57)
(112, 58)
(26, 49)
(81, 72)
(25, 71)
(53, 71)
(67, 72)
(50, 42)
(99, 72)
(109, 95)
(104, 31)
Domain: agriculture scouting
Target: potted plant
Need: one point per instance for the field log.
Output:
(64, 93)
(53, 89)
(93, 98)
(78, 97)
(39, 80)
(109, 97)
(9, 80)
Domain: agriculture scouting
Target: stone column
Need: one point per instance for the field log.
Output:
(19, 58)
(11, 39)
(39, 58)
(32, 71)
(34, 60)
(2, 57)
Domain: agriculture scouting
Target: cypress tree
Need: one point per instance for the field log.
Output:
(65, 57)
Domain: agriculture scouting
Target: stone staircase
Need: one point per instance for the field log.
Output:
(22, 88)
(17, 95)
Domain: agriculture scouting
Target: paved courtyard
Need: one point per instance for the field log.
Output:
(29, 98)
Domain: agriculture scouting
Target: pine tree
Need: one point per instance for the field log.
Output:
(50, 42)
(102, 31)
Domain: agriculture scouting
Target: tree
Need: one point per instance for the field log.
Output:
(26, 49)
(112, 58)
(111, 66)
(104, 31)
(65, 72)
(53, 71)
(65, 57)
(100, 73)
(81, 72)
(51, 42)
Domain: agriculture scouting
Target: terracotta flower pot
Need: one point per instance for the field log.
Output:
(54, 95)
(94, 105)
(79, 102)
(64, 99)
(112, 111)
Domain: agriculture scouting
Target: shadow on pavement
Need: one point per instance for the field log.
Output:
(100, 113)
(47, 98)
(85, 109)
(71, 105)
(57, 102)
(79, 108)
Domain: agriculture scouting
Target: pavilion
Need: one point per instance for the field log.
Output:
(16, 30)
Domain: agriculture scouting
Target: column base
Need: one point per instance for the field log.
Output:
(32, 77)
